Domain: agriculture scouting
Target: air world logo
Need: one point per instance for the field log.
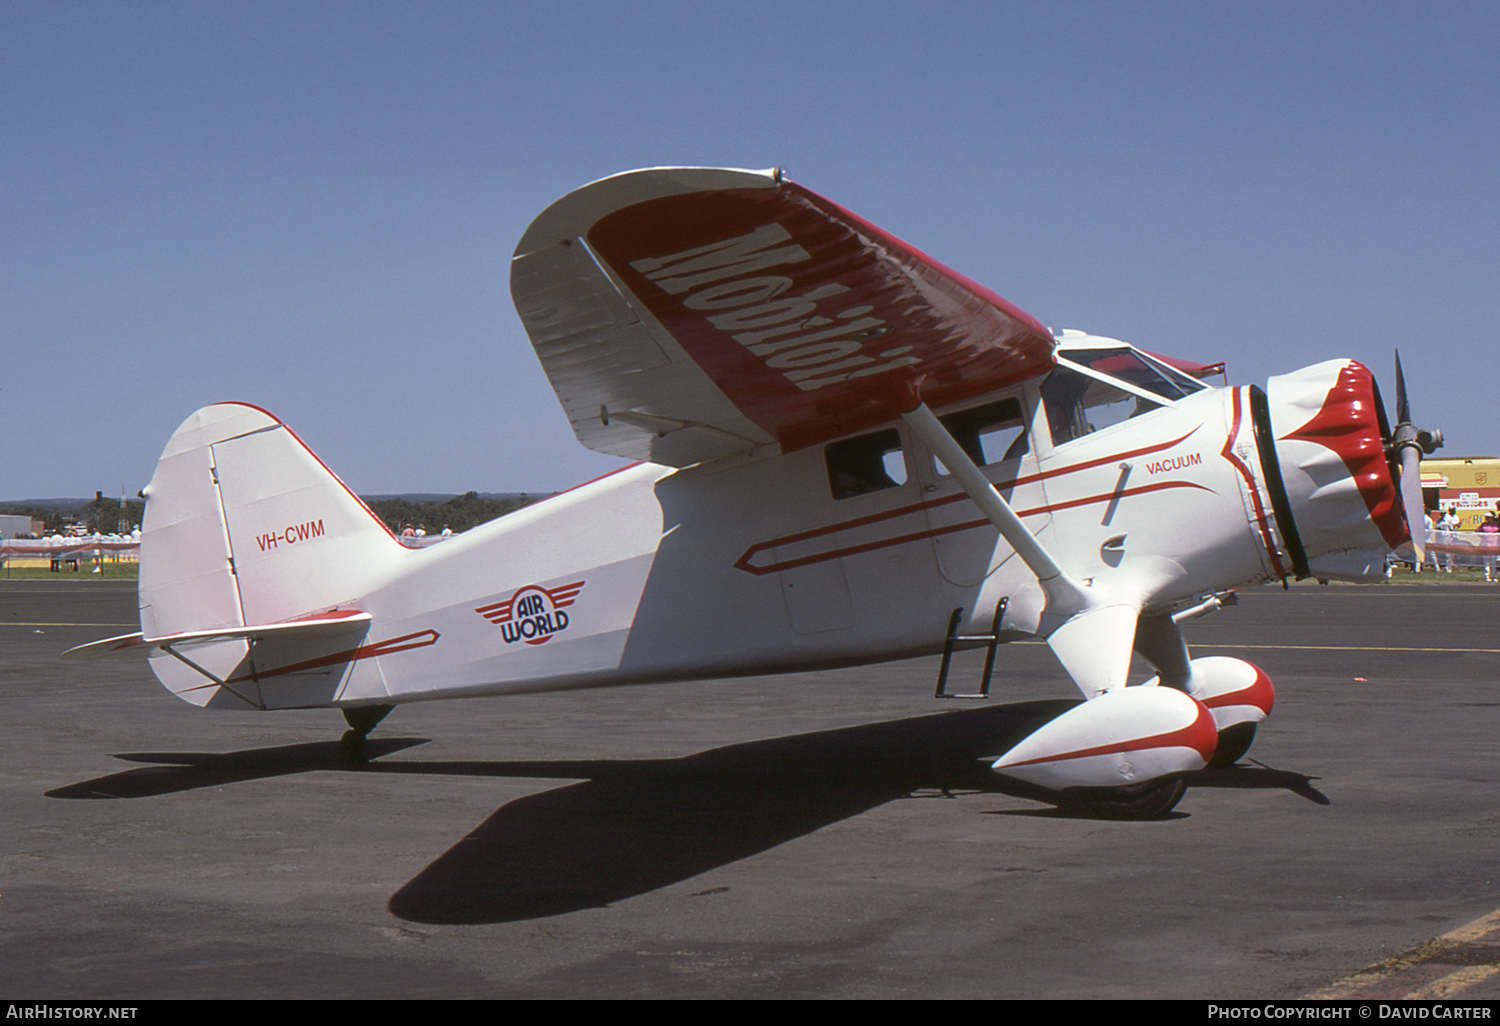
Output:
(533, 614)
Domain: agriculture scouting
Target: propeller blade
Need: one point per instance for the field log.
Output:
(1403, 410)
(1411, 499)
(1408, 443)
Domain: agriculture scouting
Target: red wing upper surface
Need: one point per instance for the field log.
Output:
(684, 313)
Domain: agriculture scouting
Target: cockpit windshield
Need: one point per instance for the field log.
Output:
(1131, 367)
(1078, 404)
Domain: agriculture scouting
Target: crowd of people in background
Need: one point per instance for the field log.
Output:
(1449, 546)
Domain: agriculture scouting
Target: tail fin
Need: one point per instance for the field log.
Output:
(245, 526)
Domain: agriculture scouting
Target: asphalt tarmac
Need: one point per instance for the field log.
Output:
(801, 836)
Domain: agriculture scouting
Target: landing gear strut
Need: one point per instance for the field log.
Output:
(361, 719)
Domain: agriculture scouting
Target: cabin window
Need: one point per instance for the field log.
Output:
(869, 463)
(992, 433)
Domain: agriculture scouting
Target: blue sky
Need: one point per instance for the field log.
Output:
(311, 207)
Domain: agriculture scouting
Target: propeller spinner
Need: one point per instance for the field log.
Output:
(1406, 446)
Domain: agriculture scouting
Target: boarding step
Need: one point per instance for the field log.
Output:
(954, 640)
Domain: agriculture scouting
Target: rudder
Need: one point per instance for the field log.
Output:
(245, 525)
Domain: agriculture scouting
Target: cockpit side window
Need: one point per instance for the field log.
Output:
(1062, 397)
(1078, 405)
(869, 463)
(988, 434)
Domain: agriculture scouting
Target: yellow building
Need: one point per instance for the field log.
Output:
(1468, 485)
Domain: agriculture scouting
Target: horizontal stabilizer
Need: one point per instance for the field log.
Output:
(107, 647)
(321, 625)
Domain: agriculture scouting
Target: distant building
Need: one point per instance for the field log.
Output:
(1468, 485)
(12, 525)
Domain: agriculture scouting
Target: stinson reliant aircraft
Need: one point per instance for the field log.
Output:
(846, 453)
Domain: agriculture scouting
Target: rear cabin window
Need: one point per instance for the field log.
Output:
(992, 433)
(869, 463)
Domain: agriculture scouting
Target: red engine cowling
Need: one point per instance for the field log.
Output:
(1339, 513)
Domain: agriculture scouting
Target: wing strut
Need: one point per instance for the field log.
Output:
(1089, 630)
(1065, 596)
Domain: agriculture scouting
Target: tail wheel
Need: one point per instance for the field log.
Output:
(352, 749)
(1150, 800)
(1234, 742)
(354, 744)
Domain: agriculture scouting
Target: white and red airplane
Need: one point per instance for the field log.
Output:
(847, 453)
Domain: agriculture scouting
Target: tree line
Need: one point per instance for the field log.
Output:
(99, 516)
(102, 514)
(457, 514)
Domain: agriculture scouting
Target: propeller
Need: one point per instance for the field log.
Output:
(1408, 443)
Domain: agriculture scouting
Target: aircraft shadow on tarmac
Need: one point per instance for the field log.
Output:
(632, 826)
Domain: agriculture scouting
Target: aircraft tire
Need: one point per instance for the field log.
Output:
(352, 749)
(1151, 800)
(1234, 742)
